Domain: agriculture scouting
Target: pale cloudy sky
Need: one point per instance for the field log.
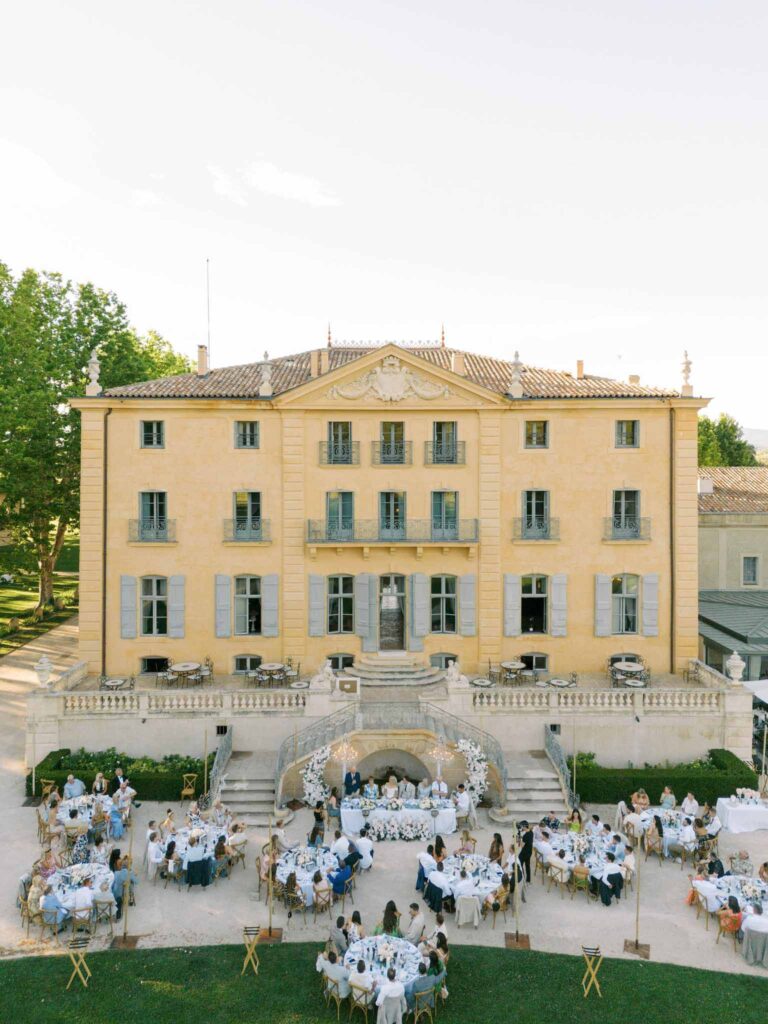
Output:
(576, 180)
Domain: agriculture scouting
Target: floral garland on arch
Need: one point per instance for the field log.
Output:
(477, 768)
(312, 774)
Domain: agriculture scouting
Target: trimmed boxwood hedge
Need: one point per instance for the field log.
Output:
(152, 780)
(726, 772)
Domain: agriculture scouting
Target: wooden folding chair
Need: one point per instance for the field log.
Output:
(424, 1005)
(238, 854)
(189, 779)
(654, 846)
(321, 903)
(727, 932)
(46, 785)
(499, 907)
(349, 885)
(250, 939)
(593, 959)
(559, 878)
(359, 1000)
(333, 994)
(77, 950)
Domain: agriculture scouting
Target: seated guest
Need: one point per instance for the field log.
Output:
(756, 921)
(710, 892)
(73, 787)
(543, 846)
(390, 789)
(172, 859)
(124, 798)
(105, 897)
(338, 936)
(700, 830)
(406, 789)
(334, 971)
(573, 822)
(279, 833)
(605, 834)
(155, 855)
(699, 876)
(495, 898)
(558, 862)
(53, 911)
(55, 828)
(741, 864)
(354, 928)
(117, 780)
(168, 825)
(441, 948)
(654, 831)
(320, 885)
(340, 846)
(551, 822)
(610, 882)
(594, 826)
(100, 786)
(628, 863)
(580, 870)
(238, 837)
(461, 800)
(429, 942)
(352, 783)
(365, 848)
(36, 891)
(363, 980)
(713, 825)
(194, 818)
(441, 850)
(616, 847)
(427, 865)
(415, 926)
(466, 843)
(221, 860)
(690, 805)
(390, 921)
(339, 879)
(633, 824)
(731, 916)
(715, 867)
(393, 992)
(423, 789)
(496, 851)
(640, 800)
(371, 790)
(440, 789)
(82, 903)
(438, 889)
(332, 807)
(762, 872)
(114, 859)
(465, 885)
(667, 800)
(195, 852)
(48, 864)
(316, 836)
(423, 982)
(354, 856)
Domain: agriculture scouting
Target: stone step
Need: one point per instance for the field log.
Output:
(387, 671)
(539, 785)
(244, 804)
(248, 782)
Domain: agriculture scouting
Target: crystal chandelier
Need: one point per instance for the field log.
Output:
(440, 753)
(345, 752)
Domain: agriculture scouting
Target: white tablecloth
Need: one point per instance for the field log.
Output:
(742, 817)
(85, 806)
(485, 875)
(66, 881)
(305, 861)
(405, 959)
(352, 819)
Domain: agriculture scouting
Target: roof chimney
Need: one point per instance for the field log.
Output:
(516, 383)
(325, 360)
(314, 363)
(265, 388)
(202, 360)
(579, 369)
(706, 485)
(634, 378)
(457, 363)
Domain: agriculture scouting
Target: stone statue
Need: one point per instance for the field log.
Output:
(265, 388)
(325, 679)
(93, 387)
(453, 677)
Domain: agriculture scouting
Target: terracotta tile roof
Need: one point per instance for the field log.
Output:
(291, 371)
(737, 489)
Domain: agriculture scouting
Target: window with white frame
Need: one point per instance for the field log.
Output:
(533, 604)
(627, 433)
(442, 660)
(750, 570)
(246, 663)
(154, 606)
(152, 434)
(341, 662)
(536, 433)
(341, 604)
(624, 593)
(247, 605)
(443, 593)
(247, 434)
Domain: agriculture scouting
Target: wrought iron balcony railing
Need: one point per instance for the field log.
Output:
(405, 531)
(256, 531)
(159, 531)
(445, 453)
(626, 528)
(343, 453)
(391, 453)
(536, 528)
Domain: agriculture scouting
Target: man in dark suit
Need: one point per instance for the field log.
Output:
(526, 849)
(117, 781)
(352, 783)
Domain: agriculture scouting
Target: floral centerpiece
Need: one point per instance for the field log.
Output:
(312, 775)
(470, 865)
(477, 768)
(395, 805)
(750, 891)
(426, 803)
(367, 805)
(580, 844)
(385, 950)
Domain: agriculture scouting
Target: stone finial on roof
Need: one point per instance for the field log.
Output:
(265, 388)
(442, 336)
(687, 389)
(93, 388)
(516, 383)
(330, 341)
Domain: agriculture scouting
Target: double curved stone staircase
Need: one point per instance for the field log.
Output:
(397, 669)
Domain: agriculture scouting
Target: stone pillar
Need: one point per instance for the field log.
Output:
(489, 598)
(91, 536)
(293, 617)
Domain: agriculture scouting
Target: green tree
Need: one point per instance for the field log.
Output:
(48, 327)
(722, 443)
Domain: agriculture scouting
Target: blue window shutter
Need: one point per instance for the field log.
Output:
(603, 622)
(176, 607)
(223, 612)
(372, 642)
(512, 604)
(362, 589)
(270, 598)
(467, 602)
(316, 605)
(651, 604)
(418, 618)
(559, 605)
(128, 607)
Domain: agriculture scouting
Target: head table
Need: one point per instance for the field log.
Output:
(305, 861)
(356, 811)
(742, 815)
(380, 952)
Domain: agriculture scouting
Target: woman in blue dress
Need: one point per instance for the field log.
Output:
(116, 826)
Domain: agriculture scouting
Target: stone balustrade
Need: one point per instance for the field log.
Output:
(180, 702)
(590, 701)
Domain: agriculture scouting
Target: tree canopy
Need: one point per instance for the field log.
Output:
(722, 443)
(48, 328)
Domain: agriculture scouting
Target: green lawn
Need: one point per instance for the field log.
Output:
(19, 598)
(487, 986)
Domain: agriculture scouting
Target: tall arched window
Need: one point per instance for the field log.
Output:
(154, 606)
(443, 592)
(533, 604)
(247, 605)
(341, 604)
(624, 591)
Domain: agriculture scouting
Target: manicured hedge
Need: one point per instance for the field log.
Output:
(152, 780)
(724, 773)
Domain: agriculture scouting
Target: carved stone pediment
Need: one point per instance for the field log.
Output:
(390, 382)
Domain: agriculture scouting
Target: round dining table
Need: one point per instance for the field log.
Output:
(379, 952)
(272, 666)
(513, 666)
(115, 683)
(630, 667)
(185, 666)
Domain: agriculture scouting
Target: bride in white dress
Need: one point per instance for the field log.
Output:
(389, 789)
